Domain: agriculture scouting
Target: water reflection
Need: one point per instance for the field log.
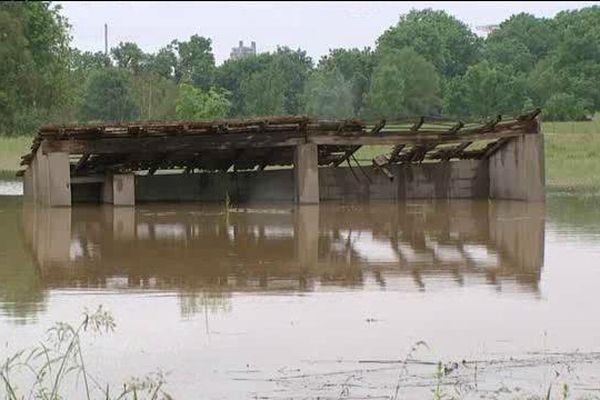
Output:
(22, 291)
(204, 253)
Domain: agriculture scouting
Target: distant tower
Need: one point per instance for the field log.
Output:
(106, 40)
(241, 51)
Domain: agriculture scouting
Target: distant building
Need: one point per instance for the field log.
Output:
(487, 28)
(241, 51)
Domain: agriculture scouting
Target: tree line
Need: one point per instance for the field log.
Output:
(429, 63)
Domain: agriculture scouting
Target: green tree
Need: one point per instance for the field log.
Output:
(264, 93)
(439, 37)
(268, 83)
(163, 63)
(510, 54)
(484, 91)
(577, 54)
(563, 107)
(524, 31)
(292, 67)
(34, 54)
(15, 69)
(356, 67)
(403, 84)
(154, 96)
(196, 104)
(329, 94)
(108, 96)
(196, 62)
(232, 74)
(128, 56)
(87, 61)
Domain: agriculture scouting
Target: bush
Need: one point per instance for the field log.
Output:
(565, 107)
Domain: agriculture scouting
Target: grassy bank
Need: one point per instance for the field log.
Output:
(11, 150)
(572, 155)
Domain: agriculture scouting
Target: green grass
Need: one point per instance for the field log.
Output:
(11, 150)
(572, 154)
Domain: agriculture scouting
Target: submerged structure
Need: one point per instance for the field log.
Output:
(294, 158)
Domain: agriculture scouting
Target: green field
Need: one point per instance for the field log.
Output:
(11, 150)
(572, 154)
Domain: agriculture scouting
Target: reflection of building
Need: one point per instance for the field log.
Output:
(416, 246)
(242, 51)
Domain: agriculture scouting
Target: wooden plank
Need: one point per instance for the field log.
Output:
(493, 148)
(84, 158)
(394, 138)
(349, 153)
(396, 152)
(149, 145)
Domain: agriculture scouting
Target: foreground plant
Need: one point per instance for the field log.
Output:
(56, 365)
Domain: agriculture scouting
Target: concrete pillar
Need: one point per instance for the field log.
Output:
(306, 235)
(28, 193)
(306, 174)
(39, 166)
(59, 180)
(119, 189)
(51, 179)
(517, 170)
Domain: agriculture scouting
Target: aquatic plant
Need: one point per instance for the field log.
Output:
(44, 371)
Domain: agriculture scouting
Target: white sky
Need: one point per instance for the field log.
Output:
(315, 27)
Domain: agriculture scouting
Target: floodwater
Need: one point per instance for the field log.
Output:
(276, 301)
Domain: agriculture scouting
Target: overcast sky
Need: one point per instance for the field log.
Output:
(312, 26)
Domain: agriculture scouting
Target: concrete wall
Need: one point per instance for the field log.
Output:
(517, 170)
(47, 180)
(461, 179)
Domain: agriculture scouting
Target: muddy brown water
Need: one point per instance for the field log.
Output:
(276, 301)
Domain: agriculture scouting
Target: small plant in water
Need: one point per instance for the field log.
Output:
(46, 370)
(565, 391)
(439, 374)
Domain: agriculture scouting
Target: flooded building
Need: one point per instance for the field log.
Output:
(293, 159)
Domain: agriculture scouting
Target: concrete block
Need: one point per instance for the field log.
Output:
(28, 192)
(119, 189)
(59, 180)
(306, 173)
(40, 178)
(517, 170)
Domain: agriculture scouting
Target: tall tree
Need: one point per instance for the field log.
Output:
(268, 83)
(329, 94)
(108, 96)
(129, 56)
(292, 67)
(484, 91)
(356, 67)
(196, 62)
(195, 104)
(439, 37)
(233, 73)
(403, 84)
(164, 62)
(34, 83)
(154, 96)
(534, 34)
(264, 93)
